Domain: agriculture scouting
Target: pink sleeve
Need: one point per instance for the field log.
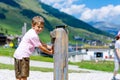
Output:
(35, 41)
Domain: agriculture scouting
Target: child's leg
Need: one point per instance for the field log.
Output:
(18, 78)
(25, 78)
(25, 69)
(116, 64)
(22, 69)
(17, 68)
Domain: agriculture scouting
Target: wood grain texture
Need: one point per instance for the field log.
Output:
(60, 54)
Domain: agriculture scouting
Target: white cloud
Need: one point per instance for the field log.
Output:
(59, 3)
(49, 2)
(107, 13)
(74, 9)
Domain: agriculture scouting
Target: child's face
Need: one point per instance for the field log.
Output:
(38, 28)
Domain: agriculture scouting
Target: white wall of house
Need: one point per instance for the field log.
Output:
(90, 55)
(107, 53)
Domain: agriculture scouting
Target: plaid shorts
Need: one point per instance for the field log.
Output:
(21, 67)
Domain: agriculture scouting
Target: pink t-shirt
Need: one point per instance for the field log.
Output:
(29, 41)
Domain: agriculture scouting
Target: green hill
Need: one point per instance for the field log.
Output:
(13, 14)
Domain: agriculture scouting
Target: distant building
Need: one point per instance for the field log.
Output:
(90, 54)
(3, 39)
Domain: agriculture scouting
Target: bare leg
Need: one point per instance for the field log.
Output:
(115, 73)
(25, 78)
(116, 68)
(18, 78)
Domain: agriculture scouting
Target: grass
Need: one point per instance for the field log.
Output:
(101, 65)
(6, 66)
(10, 51)
(107, 66)
(6, 51)
(41, 58)
(11, 67)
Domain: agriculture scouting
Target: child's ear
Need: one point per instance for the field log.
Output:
(33, 26)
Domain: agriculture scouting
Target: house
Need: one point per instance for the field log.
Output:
(91, 54)
(3, 39)
(101, 54)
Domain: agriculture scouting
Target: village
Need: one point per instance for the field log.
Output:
(76, 53)
(59, 40)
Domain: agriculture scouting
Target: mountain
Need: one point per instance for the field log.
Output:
(13, 14)
(105, 26)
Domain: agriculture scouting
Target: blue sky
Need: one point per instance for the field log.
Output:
(89, 10)
(97, 3)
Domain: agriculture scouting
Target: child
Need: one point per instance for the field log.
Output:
(29, 41)
(117, 56)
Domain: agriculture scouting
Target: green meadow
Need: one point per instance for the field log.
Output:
(107, 66)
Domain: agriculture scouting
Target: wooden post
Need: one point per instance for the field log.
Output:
(60, 37)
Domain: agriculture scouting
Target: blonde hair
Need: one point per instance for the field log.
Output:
(37, 20)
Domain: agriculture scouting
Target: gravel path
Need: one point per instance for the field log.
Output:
(37, 75)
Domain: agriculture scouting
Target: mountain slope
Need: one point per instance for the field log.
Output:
(69, 20)
(13, 13)
(105, 26)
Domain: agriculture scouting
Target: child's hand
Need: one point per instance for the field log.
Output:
(51, 51)
(49, 47)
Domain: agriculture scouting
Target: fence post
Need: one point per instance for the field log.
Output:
(60, 37)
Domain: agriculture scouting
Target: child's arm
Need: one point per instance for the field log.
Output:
(118, 52)
(45, 49)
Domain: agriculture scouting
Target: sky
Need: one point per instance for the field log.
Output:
(89, 10)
